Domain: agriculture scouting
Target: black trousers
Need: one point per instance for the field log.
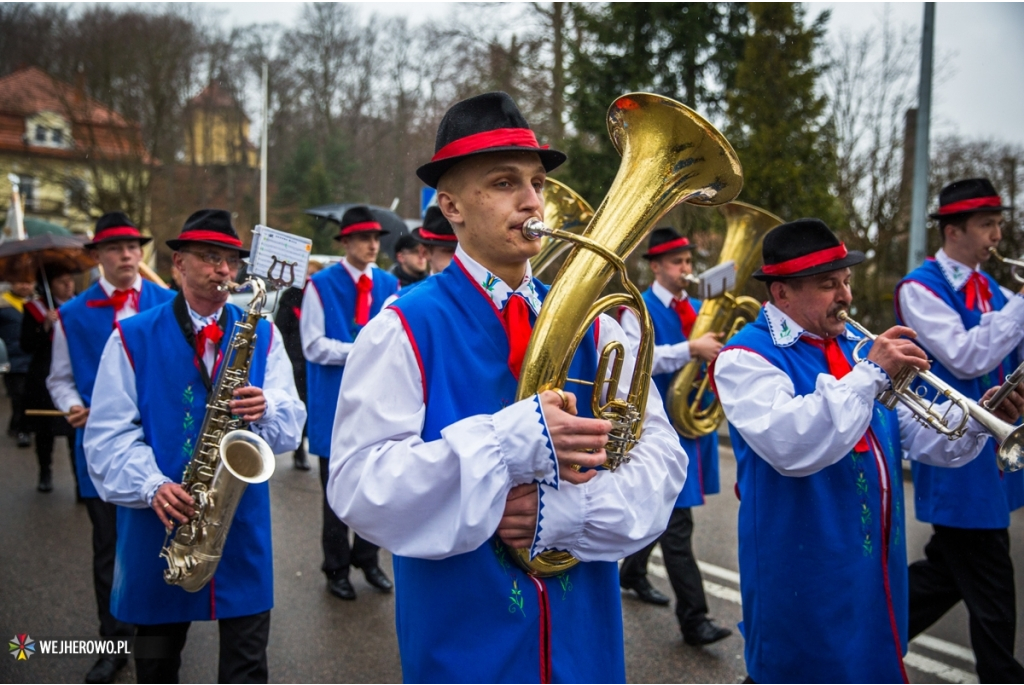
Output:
(975, 566)
(681, 565)
(338, 555)
(15, 384)
(104, 548)
(243, 650)
(45, 438)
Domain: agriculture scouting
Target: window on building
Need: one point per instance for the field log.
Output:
(41, 134)
(76, 195)
(27, 186)
(57, 137)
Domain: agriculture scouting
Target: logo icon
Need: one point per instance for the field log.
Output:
(22, 647)
(785, 332)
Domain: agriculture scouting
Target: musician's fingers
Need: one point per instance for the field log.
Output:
(520, 491)
(568, 475)
(899, 332)
(516, 540)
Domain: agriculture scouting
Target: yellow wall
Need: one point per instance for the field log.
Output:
(215, 138)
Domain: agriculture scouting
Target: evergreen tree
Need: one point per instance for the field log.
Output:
(777, 120)
(685, 51)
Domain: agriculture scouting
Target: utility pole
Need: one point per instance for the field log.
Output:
(263, 152)
(917, 247)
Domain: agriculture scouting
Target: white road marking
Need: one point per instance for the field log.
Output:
(913, 659)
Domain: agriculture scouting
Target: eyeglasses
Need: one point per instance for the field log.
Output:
(215, 259)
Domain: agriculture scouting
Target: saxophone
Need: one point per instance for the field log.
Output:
(226, 459)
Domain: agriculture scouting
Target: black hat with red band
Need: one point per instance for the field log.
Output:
(436, 231)
(116, 226)
(968, 196)
(804, 247)
(209, 227)
(665, 241)
(486, 123)
(359, 219)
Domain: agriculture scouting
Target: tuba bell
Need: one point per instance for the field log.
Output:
(564, 209)
(692, 406)
(670, 154)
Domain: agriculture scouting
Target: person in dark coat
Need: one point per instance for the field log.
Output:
(12, 304)
(287, 320)
(410, 261)
(37, 341)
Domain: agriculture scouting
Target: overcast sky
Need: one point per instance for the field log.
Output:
(979, 95)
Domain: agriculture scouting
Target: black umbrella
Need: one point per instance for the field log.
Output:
(19, 258)
(388, 220)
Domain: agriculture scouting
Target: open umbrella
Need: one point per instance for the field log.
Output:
(388, 220)
(20, 259)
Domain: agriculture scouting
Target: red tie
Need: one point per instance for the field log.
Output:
(118, 299)
(516, 319)
(210, 332)
(363, 287)
(838, 366)
(686, 315)
(978, 294)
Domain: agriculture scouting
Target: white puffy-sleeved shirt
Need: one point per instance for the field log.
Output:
(966, 353)
(801, 435)
(667, 358)
(61, 380)
(437, 499)
(122, 465)
(316, 346)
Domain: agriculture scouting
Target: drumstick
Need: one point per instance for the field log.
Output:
(46, 412)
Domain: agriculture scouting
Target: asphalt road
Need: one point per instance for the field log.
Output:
(46, 591)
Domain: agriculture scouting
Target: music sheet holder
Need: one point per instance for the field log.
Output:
(719, 279)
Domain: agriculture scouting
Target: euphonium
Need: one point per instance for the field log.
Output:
(692, 407)
(670, 154)
(1010, 455)
(564, 209)
(227, 458)
(1016, 264)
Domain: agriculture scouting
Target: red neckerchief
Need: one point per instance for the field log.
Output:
(978, 294)
(686, 314)
(118, 299)
(210, 332)
(363, 287)
(516, 319)
(838, 366)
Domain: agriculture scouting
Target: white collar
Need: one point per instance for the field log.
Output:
(109, 287)
(955, 272)
(785, 331)
(199, 322)
(356, 273)
(497, 289)
(664, 296)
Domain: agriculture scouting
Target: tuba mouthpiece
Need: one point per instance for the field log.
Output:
(534, 229)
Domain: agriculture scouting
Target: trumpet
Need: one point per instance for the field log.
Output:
(1010, 454)
(1017, 264)
(1008, 386)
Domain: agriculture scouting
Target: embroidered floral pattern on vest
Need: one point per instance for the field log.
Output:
(565, 582)
(867, 544)
(515, 597)
(188, 423)
(489, 282)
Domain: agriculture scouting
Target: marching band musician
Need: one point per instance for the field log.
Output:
(673, 314)
(338, 302)
(156, 372)
(440, 240)
(82, 329)
(973, 329)
(822, 539)
(410, 261)
(434, 459)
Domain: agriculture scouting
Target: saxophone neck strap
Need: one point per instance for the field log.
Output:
(184, 319)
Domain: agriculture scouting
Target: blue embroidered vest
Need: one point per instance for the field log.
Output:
(87, 330)
(702, 471)
(978, 494)
(476, 617)
(337, 293)
(824, 589)
(172, 404)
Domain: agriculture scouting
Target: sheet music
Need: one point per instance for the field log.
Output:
(280, 258)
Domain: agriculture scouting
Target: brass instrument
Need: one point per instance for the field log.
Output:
(563, 209)
(1010, 454)
(692, 407)
(1008, 386)
(227, 458)
(670, 154)
(1017, 264)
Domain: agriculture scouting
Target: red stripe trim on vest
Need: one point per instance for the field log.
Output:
(118, 232)
(211, 236)
(415, 348)
(973, 203)
(448, 238)
(361, 227)
(670, 245)
(499, 137)
(792, 266)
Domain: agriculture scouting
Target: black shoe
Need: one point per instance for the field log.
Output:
(376, 578)
(45, 482)
(24, 440)
(341, 587)
(301, 463)
(104, 670)
(705, 634)
(646, 592)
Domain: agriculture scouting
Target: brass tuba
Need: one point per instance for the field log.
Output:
(692, 407)
(670, 154)
(564, 209)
